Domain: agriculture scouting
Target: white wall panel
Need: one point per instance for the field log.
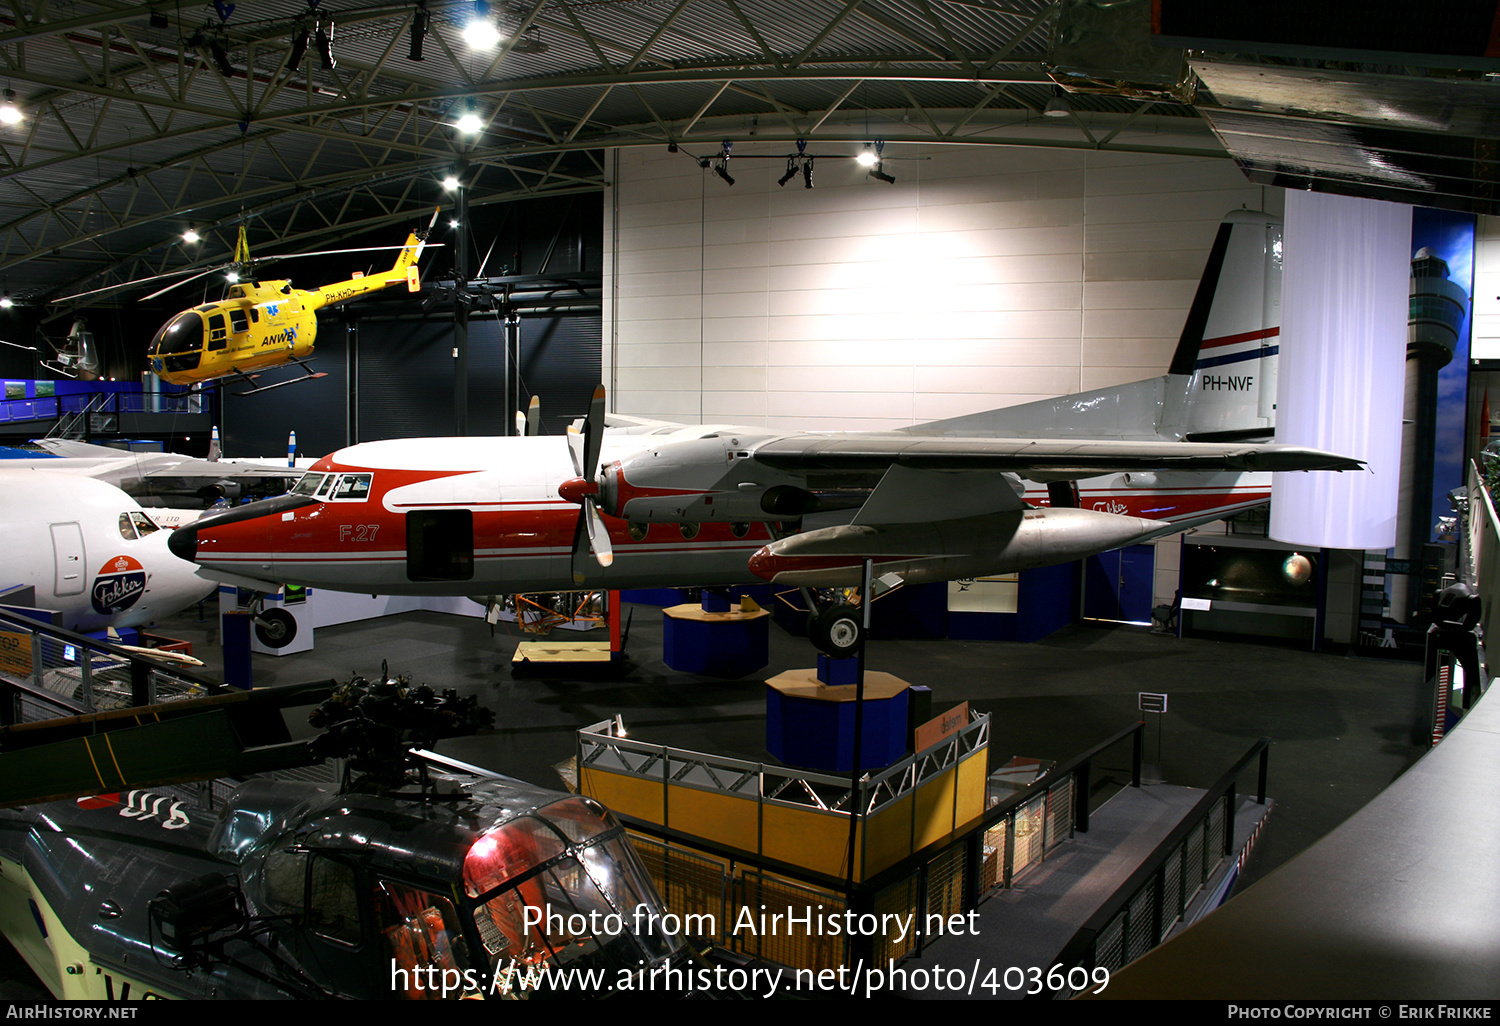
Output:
(984, 277)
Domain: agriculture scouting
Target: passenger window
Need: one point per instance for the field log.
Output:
(216, 336)
(238, 323)
(126, 530)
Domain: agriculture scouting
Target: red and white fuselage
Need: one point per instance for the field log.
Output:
(473, 516)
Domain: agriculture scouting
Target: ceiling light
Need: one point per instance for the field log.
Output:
(190, 236)
(10, 114)
(469, 124)
(453, 223)
(867, 156)
(1057, 107)
(450, 182)
(481, 33)
(6, 301)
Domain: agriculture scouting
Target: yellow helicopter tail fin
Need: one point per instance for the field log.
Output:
(411, 252)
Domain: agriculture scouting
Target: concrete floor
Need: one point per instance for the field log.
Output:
(1343, 727)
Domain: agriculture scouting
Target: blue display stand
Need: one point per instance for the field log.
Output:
(236, 626)
(729, 643)
(811, 724)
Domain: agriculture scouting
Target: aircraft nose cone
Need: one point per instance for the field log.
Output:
(183, 543)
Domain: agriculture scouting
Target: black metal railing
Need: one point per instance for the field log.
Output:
(1140, 914)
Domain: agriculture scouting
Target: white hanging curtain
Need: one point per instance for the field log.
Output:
(1340, 385)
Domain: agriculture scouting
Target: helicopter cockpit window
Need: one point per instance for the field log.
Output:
(238, 322)
(354, 487)
(143, 524)
(333, 901)
(127, 530)
(420, 929)
(308, 485)
(579, 903)
(179, 342)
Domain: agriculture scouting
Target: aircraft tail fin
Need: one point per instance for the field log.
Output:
(1222, 381)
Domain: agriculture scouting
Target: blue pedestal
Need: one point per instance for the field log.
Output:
(727, 644)
(235, 638)
(811, 725)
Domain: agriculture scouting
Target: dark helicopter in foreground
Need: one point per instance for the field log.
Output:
(420, 878)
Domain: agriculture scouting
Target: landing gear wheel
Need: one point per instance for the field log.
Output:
(275, 628)
(837, 631)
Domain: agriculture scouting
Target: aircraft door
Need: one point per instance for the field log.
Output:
(68, 555)
(1118, 585)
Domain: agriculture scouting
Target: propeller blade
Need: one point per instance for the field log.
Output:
(534, 416)
(581, 568)
(594, 437)
(598, 535)
(575, 447)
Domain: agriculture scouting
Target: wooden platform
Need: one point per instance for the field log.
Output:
(564, 657)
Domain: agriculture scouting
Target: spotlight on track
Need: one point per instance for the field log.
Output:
(419, 22)
(791, 171)
(807, 173)
(220, 55)
(299, 49)
(324, 39)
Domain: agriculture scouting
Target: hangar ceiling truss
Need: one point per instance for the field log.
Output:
(134, 132)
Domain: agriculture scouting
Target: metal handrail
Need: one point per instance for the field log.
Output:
(1080, 950)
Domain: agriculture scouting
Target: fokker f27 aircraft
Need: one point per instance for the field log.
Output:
(667, 505)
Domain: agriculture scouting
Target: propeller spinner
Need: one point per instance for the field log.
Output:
(584, 446)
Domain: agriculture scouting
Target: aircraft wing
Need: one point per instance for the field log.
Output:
(1036, 458)
(192, 469)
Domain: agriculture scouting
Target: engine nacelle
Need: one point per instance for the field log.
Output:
(943, 550)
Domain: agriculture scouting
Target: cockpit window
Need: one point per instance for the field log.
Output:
(308, 485)
(127, 530)
(352, 487)
(143, 524)
(420, 931)
(327, 484)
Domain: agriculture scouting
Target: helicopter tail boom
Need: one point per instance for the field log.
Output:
(404, 270)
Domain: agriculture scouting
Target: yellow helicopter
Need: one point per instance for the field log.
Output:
(263, 324)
